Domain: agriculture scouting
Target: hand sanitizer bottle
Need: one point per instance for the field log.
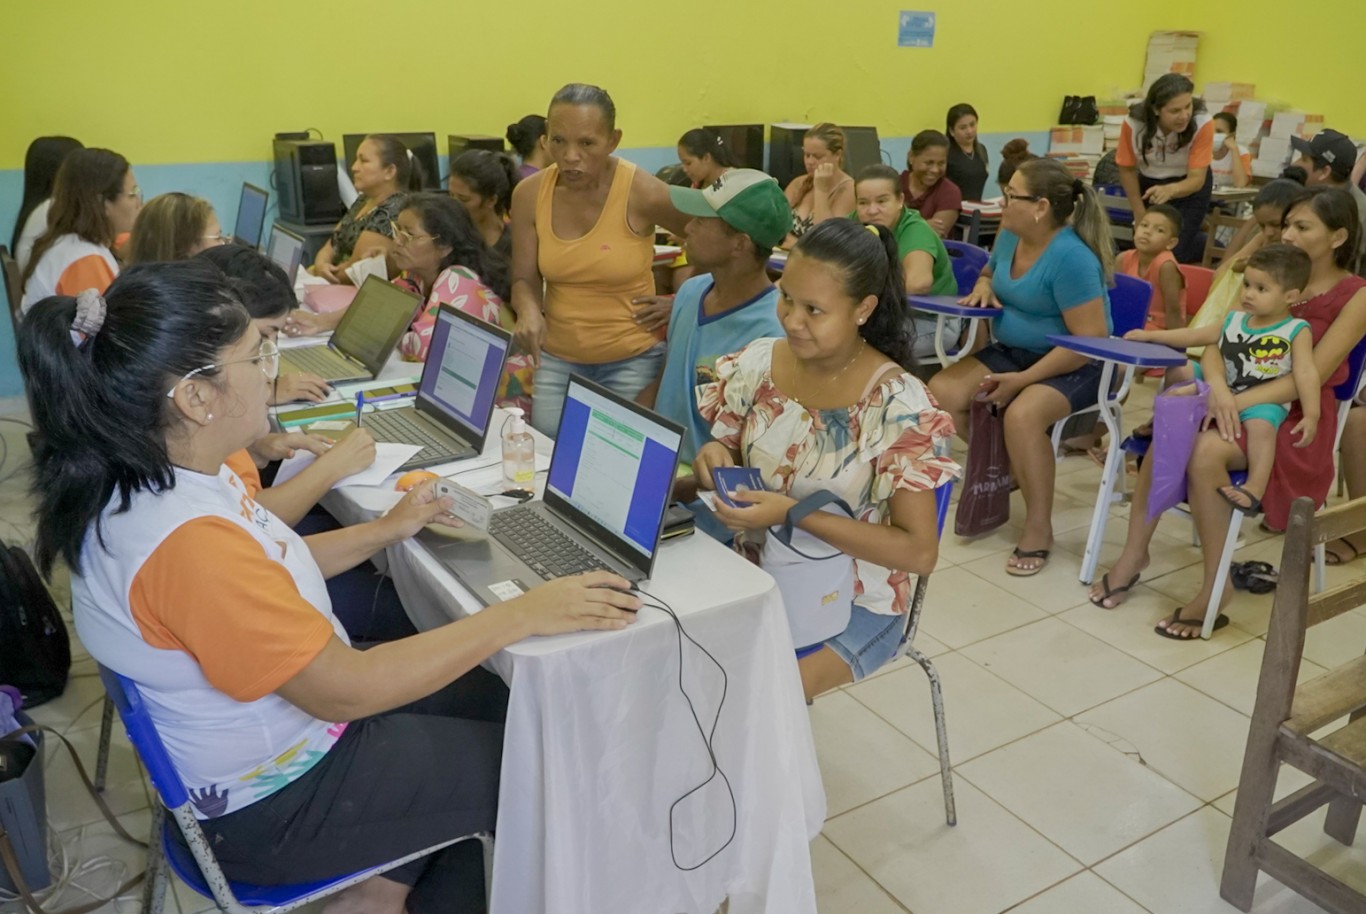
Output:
(519, 452)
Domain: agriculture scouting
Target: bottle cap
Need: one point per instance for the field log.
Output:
(516, 416)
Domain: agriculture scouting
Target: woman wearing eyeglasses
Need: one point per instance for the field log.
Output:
(173, 226)
(1048, 273)
(95, 200)
(290, 741)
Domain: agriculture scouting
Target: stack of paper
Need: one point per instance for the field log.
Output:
(1219, 94)
(1078, 165)
(1170, 52)
(1274, 150)
(1113, 124)
(1084, 140)
(1252, 121)
(1313, 123)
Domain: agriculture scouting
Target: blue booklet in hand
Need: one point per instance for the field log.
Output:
(729, 479)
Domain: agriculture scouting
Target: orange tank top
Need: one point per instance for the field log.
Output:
(590, 281)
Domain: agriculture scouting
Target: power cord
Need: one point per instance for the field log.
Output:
(708, 736)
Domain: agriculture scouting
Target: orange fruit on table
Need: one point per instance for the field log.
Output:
(411, 479)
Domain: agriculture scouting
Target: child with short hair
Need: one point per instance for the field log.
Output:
(1260, 343)
(1151, 259)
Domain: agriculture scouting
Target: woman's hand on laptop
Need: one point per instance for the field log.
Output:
(598, 600)
(300, 385)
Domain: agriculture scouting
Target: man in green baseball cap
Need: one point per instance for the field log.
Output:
(737, 220)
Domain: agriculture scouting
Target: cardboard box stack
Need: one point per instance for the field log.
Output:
(1078, 148)
(1112, 111)
(1170, 52)
(1219, 95)
(1274, 151)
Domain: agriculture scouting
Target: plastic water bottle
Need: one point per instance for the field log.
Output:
(519, 452)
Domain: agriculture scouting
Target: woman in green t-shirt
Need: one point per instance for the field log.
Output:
(924, 259)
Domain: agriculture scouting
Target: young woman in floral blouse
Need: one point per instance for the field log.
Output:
(832, 407)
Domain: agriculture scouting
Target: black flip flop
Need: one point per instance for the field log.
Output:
(1112, 591)
(1251, 509)
(1017, 572)
(1219, 622)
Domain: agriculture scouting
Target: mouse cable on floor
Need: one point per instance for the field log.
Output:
(707, 736)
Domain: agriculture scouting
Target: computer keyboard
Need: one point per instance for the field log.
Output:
(548, 551)
(321, 361)
(397, 427)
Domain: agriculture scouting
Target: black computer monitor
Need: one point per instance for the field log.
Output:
(251, 216)
(861, 149)
(421, 145)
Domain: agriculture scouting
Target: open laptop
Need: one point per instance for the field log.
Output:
(365, 338)
(610, 480)
(286, 248)
(450, 415)
(251, 216)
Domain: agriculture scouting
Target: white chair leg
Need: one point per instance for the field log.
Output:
(1320, 561)
(1221, 575)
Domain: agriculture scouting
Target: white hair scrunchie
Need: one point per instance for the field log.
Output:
(90, 311)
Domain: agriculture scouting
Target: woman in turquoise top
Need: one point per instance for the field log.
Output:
(1049, 277)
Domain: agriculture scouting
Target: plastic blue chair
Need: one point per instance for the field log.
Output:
(968, 262)
(197, 866)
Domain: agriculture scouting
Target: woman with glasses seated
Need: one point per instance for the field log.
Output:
(291, 742)
(1048, 273)
(444, 259)
(173, 226)
(95, 199)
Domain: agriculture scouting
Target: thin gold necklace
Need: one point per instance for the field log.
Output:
(797, 370)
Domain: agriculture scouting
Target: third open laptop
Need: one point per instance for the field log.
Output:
(364, 339)
(450, 415)
(611, 476)
(251, 216)
(286, 248)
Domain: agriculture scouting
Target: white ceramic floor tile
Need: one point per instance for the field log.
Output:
(68, 803)
(1129, 627)
(1248, 611)
(1232, 676)
(961, 549)
(961, 608)
(985, 864)
(981, 712)
(1060, 665)
(100, 861)
(862, 757)
(1079, 793)
(1183, 735)
(1084, 893)
(1336, 641)
(1068, 513)
(843, 888)
(1054, 589)
(1165, 554)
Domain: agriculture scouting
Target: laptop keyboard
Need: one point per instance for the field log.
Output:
(394, 426)
(322, 361)
(540, 544)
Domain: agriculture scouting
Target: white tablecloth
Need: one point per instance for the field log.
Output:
(600, 742)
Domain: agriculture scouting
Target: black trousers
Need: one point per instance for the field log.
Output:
(393, 784)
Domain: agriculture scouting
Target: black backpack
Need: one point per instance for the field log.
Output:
(35, 649)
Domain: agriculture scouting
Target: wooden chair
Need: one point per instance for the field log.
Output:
(1214, 252)
(1283, 720)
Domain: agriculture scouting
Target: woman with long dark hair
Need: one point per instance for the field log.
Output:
(967, 166)
(704, 155)
(45, 155)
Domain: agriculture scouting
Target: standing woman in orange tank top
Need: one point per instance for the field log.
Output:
(582, 257)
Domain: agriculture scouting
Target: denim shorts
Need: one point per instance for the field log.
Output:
(626, 377)
(868, 642)
(1080, 387)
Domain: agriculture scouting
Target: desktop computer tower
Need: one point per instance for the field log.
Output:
(458, 143)
(306, 180)
(785, 151)
(745, 141)
(861, 149)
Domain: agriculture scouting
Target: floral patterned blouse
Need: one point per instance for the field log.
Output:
(461, 287)
(895, 437)
(379, 220)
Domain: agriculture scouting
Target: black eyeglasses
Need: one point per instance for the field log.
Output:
(1007, 196)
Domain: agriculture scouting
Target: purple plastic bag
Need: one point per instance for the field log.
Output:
(1176, 423)
(985, 502)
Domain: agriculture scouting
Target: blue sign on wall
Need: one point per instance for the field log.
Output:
(915, 29)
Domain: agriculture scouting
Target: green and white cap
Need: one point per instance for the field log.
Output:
(747, 200)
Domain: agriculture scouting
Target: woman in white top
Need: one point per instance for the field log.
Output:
(1230, 163)
(45, 155)
(94, 200)
(305, 759)
(1165, 147)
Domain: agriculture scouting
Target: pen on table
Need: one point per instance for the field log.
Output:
(360, 402)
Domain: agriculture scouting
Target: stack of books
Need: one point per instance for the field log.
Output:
(1219, 95)
(1077, 140)
(1170, 52)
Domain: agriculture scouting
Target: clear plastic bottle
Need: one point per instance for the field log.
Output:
(519, 452)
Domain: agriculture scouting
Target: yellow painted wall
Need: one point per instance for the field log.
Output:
(186, 81)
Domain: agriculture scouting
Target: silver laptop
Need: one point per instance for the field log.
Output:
(365, 338)
(251, 216)
(450, 415)
(610, 480)
(286, 248)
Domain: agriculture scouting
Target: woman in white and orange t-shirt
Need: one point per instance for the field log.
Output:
(1165, 147)
(95, 199)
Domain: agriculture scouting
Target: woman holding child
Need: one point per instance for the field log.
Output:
(1321, 222)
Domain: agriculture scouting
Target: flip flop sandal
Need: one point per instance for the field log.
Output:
(1251, 509)
(1219, 622)
(1112, 591)
(1033, 554)
(1335, 558)
(1254, 577)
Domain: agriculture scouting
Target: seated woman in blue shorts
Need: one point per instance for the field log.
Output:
(1049, 272)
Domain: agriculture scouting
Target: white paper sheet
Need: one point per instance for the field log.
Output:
(388, 458)
(365, 268)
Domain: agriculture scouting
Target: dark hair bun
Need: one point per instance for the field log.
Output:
(1017, 151)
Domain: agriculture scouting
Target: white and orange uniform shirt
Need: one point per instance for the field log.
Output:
(1164, 160)
(69, 267)
(210, 603)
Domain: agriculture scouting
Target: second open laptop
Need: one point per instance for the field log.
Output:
(251, 216)
(286, 248)
(365, 338)
(611, 477)
(450, 415)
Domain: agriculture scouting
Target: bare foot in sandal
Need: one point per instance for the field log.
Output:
(1343, 550)
(1113, 587)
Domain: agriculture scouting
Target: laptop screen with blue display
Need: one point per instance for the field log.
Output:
(614, 463)
(464, 368)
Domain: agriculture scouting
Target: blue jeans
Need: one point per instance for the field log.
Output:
(627, 377)
(870, 640)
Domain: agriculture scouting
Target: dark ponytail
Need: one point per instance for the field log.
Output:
(870, 266)
(488, 174)
(100, 411)
(409, 174)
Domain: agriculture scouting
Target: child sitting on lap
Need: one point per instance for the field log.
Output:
(1260, 343)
